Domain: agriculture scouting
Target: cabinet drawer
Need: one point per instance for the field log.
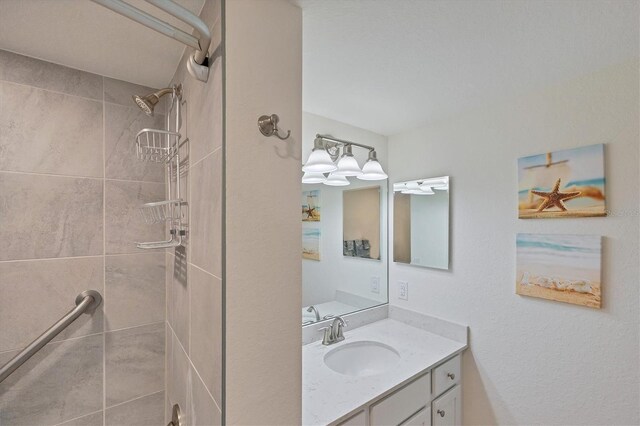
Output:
(356, 420)
(401, 404)
(421, 418)
(447, 410)
(446, 375)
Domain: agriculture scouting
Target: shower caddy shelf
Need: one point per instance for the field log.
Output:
(163, 146)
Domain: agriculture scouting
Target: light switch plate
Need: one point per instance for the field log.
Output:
(375, 285)
(403, 290)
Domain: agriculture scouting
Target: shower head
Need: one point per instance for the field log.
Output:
(148, 103)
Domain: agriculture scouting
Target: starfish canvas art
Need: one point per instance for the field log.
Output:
(568, 183)
(311, 206)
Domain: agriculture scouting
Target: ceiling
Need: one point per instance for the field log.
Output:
(87, 36)
(393, 65)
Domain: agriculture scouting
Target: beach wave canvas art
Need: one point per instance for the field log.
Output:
(568, 183)
(565, 268)
(311, 243)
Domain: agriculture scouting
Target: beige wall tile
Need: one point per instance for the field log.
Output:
(95, 419)
(46, 75)
(62, 381)
(48, 132)
(121, 92)
(204, 113)
(148, 410)
(46, 216)
(178, 306)
(206, 328)
(124, 226)
(203, 410)
(134, 362)
(122, 124)
(57, 283)
(134, 290)
(180, 379)
(205, 233)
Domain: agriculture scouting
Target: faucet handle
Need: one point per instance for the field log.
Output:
(327, 338)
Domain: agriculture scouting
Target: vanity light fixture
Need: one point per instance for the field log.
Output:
(319, 161)
(426, 189)
(422, 186)
(372, 170)
(312, 177)
(348, 165)
(336, 180)
(326, 150)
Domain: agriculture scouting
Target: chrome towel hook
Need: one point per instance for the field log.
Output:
(268, 125)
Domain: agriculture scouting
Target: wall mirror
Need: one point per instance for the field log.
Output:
(421, 222)
(344, 243)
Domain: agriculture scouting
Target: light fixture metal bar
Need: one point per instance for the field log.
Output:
(343, 142)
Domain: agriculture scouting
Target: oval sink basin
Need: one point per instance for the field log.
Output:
(365, 358)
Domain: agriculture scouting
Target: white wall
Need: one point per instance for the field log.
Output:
(334, 271)
(263, 366)
(534, 361)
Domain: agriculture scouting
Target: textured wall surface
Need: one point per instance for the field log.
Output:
(70, 187)
(262, 277)
(194, 271)
(534, 361)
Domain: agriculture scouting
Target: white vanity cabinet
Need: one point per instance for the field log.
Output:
(432, 399)
(402, 404)
(447, 410)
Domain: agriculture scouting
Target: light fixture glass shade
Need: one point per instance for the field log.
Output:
(372, 170)
(311, 177)
(426, 189)
(443, 187)
(336, 180)
(416, 192)
(348, 166)
(319, 162)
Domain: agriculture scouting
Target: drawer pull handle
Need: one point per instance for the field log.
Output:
(451, 376)
(441, 412)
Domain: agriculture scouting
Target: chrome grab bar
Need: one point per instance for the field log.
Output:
(86, 301)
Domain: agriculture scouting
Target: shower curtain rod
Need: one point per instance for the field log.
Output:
(198, 62)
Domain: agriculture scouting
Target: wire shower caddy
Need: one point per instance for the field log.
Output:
(163, 146)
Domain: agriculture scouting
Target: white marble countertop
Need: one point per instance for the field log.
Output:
(327, 396)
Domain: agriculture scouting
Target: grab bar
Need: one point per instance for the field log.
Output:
(86, 301)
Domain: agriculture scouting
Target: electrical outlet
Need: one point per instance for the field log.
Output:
(403, 290)
(375, 285)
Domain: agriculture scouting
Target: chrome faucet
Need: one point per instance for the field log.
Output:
(313, 309)
(333, 333)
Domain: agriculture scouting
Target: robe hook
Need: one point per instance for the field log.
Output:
(268, 125)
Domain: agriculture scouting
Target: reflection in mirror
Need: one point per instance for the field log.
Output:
(421, 222)
(361, 223)
(344, 263)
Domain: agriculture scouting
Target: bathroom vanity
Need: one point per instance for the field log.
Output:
(386, 373)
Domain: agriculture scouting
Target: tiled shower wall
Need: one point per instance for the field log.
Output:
(69, 189)
(194, 272)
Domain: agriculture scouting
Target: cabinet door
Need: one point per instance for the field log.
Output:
(400, 405)
(446, 375)
(447, 410)
(357, 420)
(421, 418)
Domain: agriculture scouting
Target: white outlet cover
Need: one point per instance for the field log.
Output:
(375, 285)
(403, 290)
